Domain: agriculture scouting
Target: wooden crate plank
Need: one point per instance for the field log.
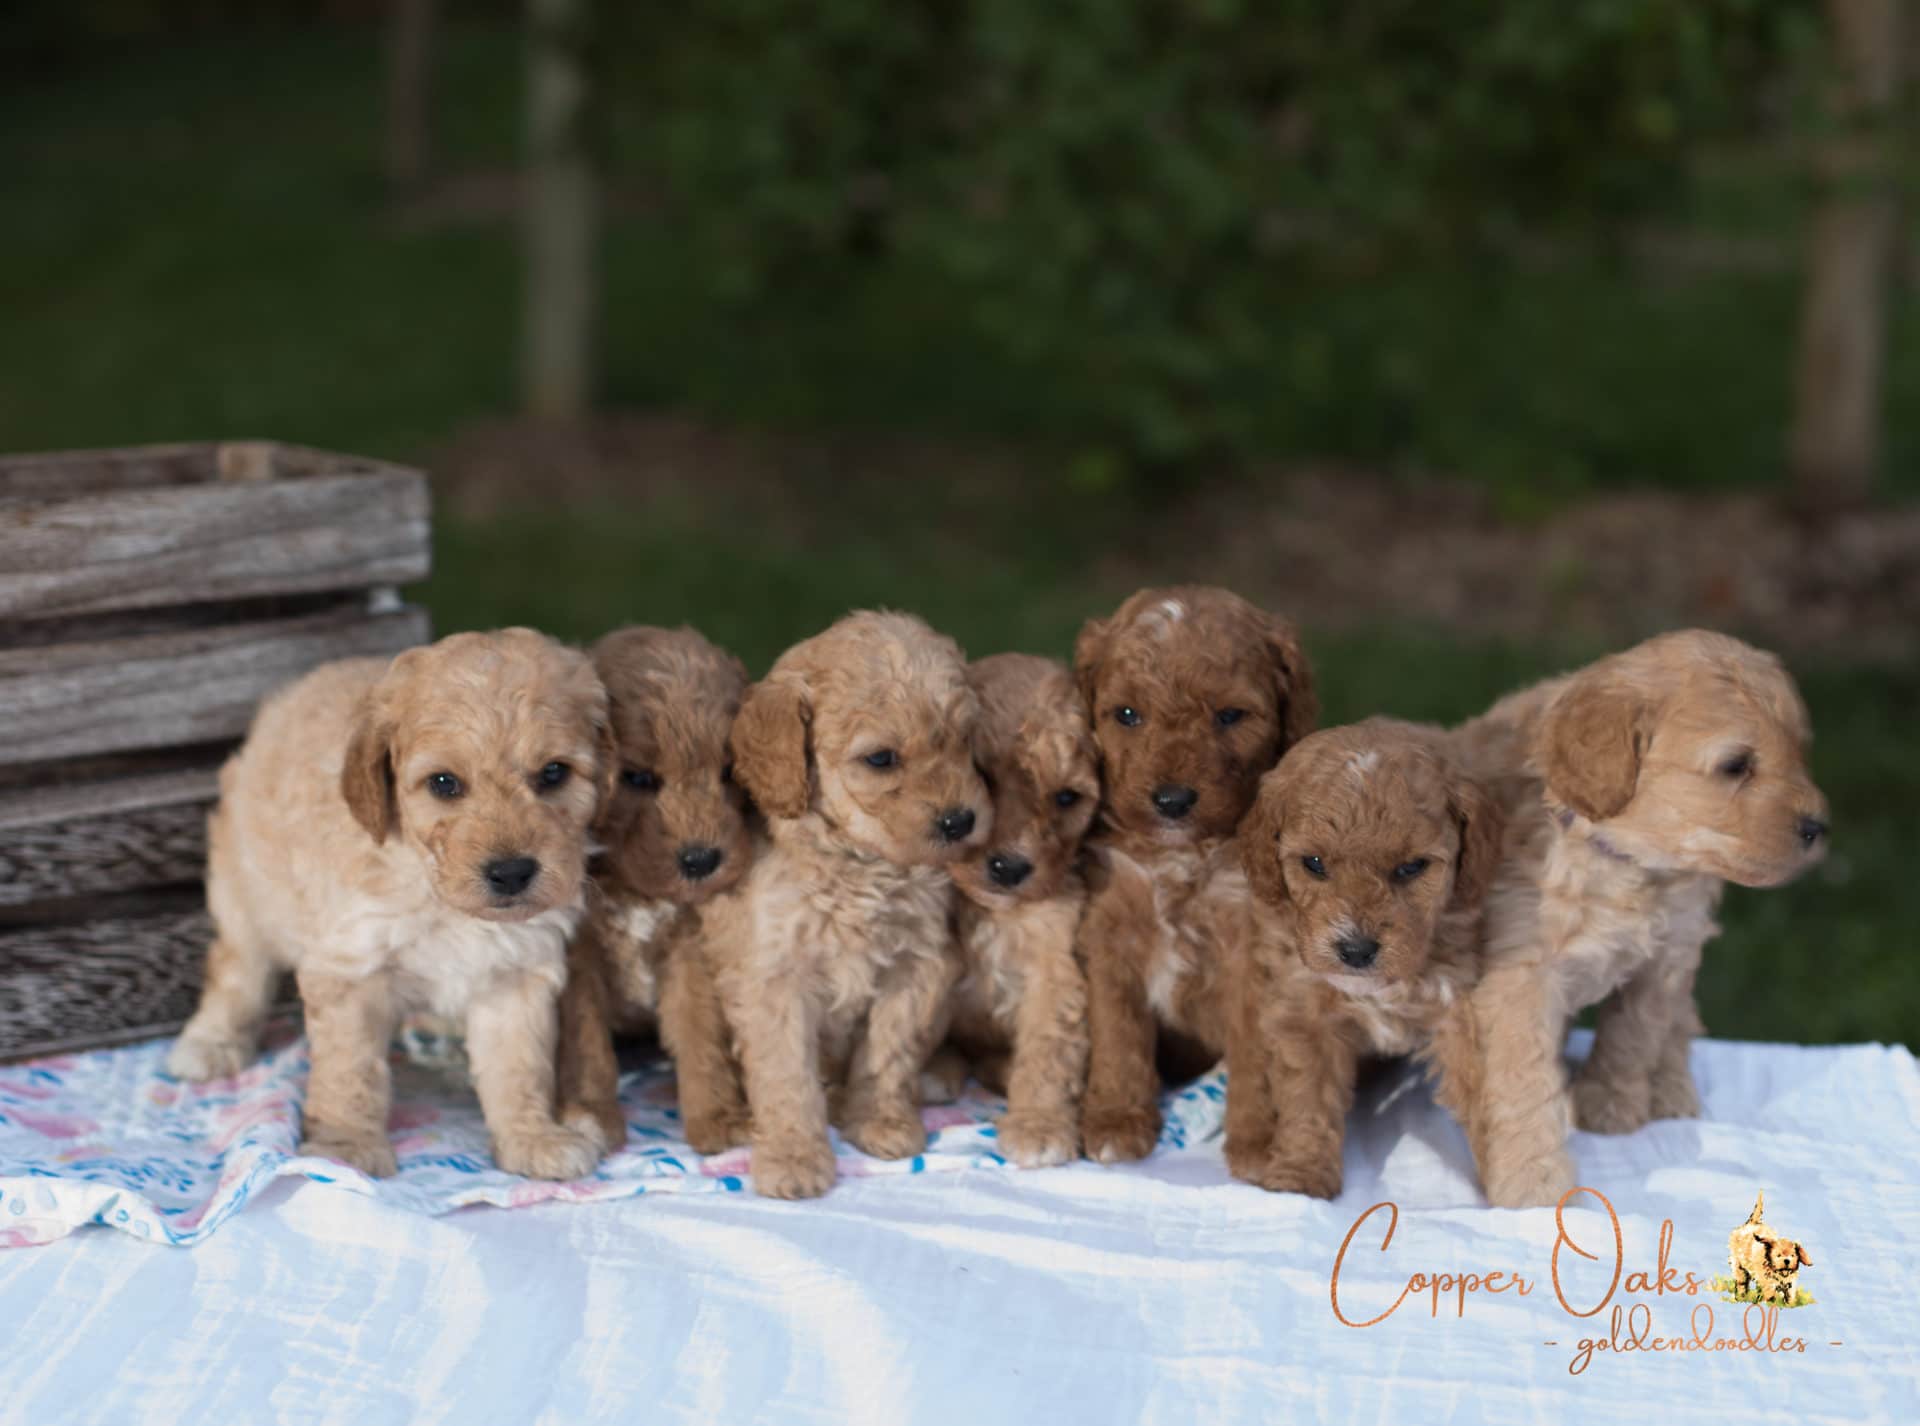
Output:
(209, 541)
(197, 686)
(57, 475)
(86, 856)
(22, 807)
(67, 986)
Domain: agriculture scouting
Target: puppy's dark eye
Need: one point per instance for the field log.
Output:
(1315, 867)
(884, 758)
(1126, 716)
(554, 774)
(645, 779)
(1739, 765)
(1065, 797)
(1407, 871)
(726, 774)
(445, 786)
(1227, 717)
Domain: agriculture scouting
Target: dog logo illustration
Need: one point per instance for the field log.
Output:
(1764, 1264)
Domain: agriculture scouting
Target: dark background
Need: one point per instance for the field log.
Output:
(1478, 337)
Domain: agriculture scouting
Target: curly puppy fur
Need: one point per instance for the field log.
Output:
(1764, 1261)
(834, 956)
(1194, 694)
(372, 836)
(677, 832)
(1637, 787)
(1370, 853)
(1019, 1013)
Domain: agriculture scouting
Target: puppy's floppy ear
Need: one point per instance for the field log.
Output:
(769, 742)
(1089, 652)
(1293, 679)
(1259, 836)
(606, 757)
(366, 778)
(1483, 824)
(1589, 745)
(1801, 1253)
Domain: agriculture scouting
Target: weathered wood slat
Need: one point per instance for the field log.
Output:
(122, 851)
(209, 541)
(23, 807)
(117, 978)
(191, 687)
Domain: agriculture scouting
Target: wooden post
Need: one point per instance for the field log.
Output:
(410, 94)
(560, 212)
(1835, 445)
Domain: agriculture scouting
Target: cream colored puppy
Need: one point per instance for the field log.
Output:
(410, 836)
(1636, 788)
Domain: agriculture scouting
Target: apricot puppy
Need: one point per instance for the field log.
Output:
(834, 956)
(1638, 787)
(1194, 694)
(410, 835)
(676, 833)
(1018, 1015)
(1371, 854)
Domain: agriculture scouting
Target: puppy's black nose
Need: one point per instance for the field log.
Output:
(1008, 870)
(509, 876)
(955, 824)
(1173, 801)
(698, 862)
(1811, 830)
(1357, 951)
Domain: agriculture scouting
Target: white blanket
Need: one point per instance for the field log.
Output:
(1161, 1292)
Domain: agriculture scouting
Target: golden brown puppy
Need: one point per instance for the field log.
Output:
(676, 832)
(410, 835)
(1763, 1262)
(1194, 694)
(1018, 1015)
(834, 955)
(1371, 852)
(1637, 788)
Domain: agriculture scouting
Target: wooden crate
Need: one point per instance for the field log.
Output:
(148, 599)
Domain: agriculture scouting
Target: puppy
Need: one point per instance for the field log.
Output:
(834, 956)
(1370, 852)
(410, 835)
(1194, 694)
(1764, 1262)
(675, 834)
(1638, 787)
(1018, 1015)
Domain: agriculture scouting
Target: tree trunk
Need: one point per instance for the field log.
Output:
(560, 212)
(1835, 447)
(410, 39)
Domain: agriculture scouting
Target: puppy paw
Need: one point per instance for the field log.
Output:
(1601, 1108)
(1247, 1158)
(1115, 1136)
(1538, 1184)
(372, 1154)
(555, 1151)
(1674, 1096)
(716, 1132)
(603, 1123)
(802, 1168)
(887, 1134)
(1281, 1172)
(1038, 1141)
(202, 1055)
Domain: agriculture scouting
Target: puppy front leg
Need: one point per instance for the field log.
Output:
(713, 1105)
(1310, 1070)
(1121, 1117)
(779, 1040)
(1250, 1109)
(349, 1086)
(221, 1037)
(1519, 1128)
(1674, 1093)
(512, 1024)
(1049, 1065)
(1613, 1090)
(587, 1073)
(881, 1115)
